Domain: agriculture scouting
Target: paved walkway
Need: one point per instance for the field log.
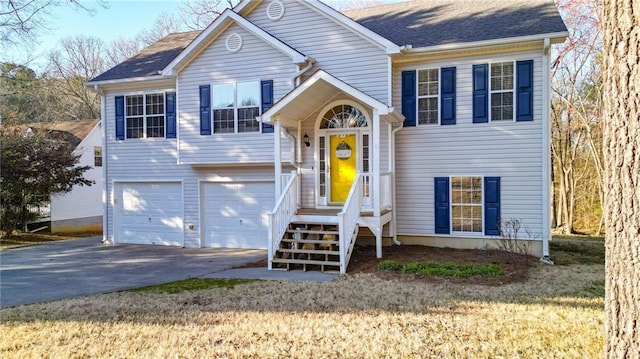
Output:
(73, 268)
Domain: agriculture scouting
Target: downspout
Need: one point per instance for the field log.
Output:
(295, 79)
(105, 163)
(393, 185)
(546, 155)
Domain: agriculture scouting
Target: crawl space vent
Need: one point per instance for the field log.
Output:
(234, 42)
(275, 10)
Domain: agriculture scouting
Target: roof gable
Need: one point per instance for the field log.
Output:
(421, 23)
(215, 29)
(247, 6)
(73, 132)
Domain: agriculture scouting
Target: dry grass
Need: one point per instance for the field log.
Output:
(18, 239)
(554, 314)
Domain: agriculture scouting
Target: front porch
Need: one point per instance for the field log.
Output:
(340, 178)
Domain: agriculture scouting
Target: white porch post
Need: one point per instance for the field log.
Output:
(375, 179)
(277, 158)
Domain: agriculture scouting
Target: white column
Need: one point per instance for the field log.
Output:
(277, 157)
(375, 179)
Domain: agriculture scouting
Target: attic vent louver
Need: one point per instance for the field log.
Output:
(234, 42)
(275, 10)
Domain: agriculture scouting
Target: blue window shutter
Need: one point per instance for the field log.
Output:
(524, 90)
(409, 97)
(448, 96)
(492, 206)
(266, 90)
(480, 93)
(441, 194)
(119, 117)
(170, 108)
(205, 109)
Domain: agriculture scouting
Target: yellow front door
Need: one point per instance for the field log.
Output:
(343, 163)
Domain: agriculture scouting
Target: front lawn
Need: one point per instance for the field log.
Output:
(553, 312)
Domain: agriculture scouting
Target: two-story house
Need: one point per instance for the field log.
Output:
(290, 126)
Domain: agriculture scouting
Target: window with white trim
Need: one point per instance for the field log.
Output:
(145, 115)
(235, 107)
(97, 156)
(466, 204)
(502, 91)
(428, 96)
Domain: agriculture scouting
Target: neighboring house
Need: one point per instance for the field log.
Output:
(81, 209)
(290, 126)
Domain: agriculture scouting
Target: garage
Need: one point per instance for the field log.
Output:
(235, 215)
(149, 213)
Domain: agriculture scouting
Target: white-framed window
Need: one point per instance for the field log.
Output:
(502, 91)
(97, 156)
(145, 115)
(428, 96)
(235, 107)
(466, 204)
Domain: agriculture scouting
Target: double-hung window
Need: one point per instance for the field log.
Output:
(502, 91)
(235, 107)
(145, 115)
(466, 204)
(428, 96)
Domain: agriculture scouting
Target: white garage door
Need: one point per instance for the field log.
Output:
(235, 214)
(149, 213)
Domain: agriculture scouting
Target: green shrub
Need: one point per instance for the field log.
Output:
(389, 265)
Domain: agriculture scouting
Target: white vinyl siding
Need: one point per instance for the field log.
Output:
(506, 149)
(82, 201)
(336, 49)
(156, 160)
(256, 60)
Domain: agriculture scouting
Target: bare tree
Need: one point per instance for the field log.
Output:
(621, 24)
(79, 59)
(198, 14)
(24, 19)
(576, 112)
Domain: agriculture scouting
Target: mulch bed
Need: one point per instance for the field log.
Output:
(363, 260)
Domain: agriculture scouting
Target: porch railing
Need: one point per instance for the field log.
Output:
(385, 190)
(366, 203)
(348, 221)
(282, 214)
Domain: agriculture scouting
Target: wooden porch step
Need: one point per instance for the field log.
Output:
(310, 241)
(311, 231)
(309, 251)
(304, 261)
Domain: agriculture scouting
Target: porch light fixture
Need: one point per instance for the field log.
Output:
(305, 139)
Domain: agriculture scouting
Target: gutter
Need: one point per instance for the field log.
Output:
(295, 79)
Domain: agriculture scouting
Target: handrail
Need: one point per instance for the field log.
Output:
(282, 214)
(348, 220)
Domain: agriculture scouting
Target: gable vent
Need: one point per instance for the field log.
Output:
(275, 10)
(234, 42)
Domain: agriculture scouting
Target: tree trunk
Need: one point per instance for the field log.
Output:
(622, 177)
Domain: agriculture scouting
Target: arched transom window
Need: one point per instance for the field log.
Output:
(343, 116)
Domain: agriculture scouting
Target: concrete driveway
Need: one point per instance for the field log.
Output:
(81, 267)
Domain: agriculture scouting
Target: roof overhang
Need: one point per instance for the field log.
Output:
(216, 28)
(478, 47)
(316, 91)
(247, 6)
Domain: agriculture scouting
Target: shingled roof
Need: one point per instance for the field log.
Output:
(419, 23)
(151, 59)
(71, 131)
(422, 23)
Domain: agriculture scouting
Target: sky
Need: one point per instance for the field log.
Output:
(121, 18)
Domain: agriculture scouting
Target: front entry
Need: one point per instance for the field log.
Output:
(343, 166)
